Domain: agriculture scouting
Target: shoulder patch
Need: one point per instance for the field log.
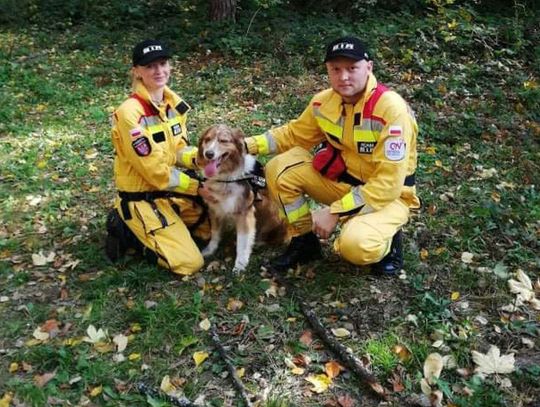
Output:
(136, 132)
(142, 146)
(394, 148)
(182, 107)
(395, 130)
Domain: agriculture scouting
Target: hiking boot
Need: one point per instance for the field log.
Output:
(301, 250)
(119, 238)
(392, 263)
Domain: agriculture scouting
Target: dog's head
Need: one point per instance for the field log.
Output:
(221, 150)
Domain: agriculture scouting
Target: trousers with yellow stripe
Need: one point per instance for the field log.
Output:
(364, 238)
(162, 226)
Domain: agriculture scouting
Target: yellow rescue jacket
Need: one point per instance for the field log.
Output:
(150, 141)
(376, 138)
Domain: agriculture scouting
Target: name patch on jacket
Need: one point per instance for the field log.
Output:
(176, 129)
(394, 148)
(366, 147)
(142, 146)
(159, 137)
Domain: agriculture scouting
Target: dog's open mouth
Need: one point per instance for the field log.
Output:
(211, 168)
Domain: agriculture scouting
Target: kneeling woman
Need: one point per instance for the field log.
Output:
(157, 199)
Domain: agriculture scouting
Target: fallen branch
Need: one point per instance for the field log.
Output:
(346, 358)
(150, 391)
(232, 370)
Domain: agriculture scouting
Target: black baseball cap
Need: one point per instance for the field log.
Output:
(149, 50)
(350, 47)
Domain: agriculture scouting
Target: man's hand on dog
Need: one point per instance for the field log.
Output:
(206, 194)
(324, 222)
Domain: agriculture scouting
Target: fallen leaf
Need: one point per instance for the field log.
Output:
(96, 391)
(433, 367)
(40, 335)
(424, 254)
(493, 362)
(234, 304)
(402, 352)
(13, 367)
(467, 257)
(240, 372)
(42, 380)
(121, 342)
(5, 401)
(345, 401)
(306, 338)
(200, 357)
(332, 369)
(93, 335)
(425, 387)
(320, 382)
(455, 296)
(134, 356)
(340, 332)
(39, 259)
(298, 371)
(205, 324)
(166, 386)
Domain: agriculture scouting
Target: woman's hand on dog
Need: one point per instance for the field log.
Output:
(324, 222)
(206, 194)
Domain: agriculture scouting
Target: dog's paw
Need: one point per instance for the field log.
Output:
(239, 268)
(209, 250)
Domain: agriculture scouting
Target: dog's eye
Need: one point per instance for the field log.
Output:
(224, 140)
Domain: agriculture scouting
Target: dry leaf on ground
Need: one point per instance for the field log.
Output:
(493, 362)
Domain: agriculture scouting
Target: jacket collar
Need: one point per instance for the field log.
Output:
(169, 96)
(333, 106)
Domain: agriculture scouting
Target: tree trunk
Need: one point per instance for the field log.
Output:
(222, 10)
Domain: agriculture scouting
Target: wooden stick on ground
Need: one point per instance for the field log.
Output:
(232, 370)
(348, 360)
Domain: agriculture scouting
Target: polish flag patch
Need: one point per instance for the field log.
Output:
(136, 132)
(395, 131)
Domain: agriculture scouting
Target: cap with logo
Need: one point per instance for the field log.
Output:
(149, 50)
(349, 47)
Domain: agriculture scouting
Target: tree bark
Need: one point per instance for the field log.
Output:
(223, 10)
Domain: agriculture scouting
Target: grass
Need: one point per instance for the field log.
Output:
(477, 100)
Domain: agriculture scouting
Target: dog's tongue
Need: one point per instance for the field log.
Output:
(210, 169)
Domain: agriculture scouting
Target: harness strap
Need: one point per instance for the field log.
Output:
(150, 196)
(410, 180)
(149, 109)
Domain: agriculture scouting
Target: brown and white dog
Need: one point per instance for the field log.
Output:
(229, 173)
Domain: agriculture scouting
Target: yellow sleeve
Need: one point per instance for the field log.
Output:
(303, 131)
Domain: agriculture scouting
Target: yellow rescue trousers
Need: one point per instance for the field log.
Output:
(166, 233)
(364, 238)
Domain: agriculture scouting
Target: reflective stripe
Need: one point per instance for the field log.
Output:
(179, 180)
(184, 182)
(334, 129)
(296, 210)
(266, 143)
(151, 120)
(187, 155)
(353, 199)
(369, 131)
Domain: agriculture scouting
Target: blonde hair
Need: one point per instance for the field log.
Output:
(134, 79)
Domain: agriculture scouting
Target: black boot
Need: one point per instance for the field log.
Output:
(392, 263)
(302, 249)
(119, 237)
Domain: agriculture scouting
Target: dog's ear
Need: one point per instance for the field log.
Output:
(238, 136)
